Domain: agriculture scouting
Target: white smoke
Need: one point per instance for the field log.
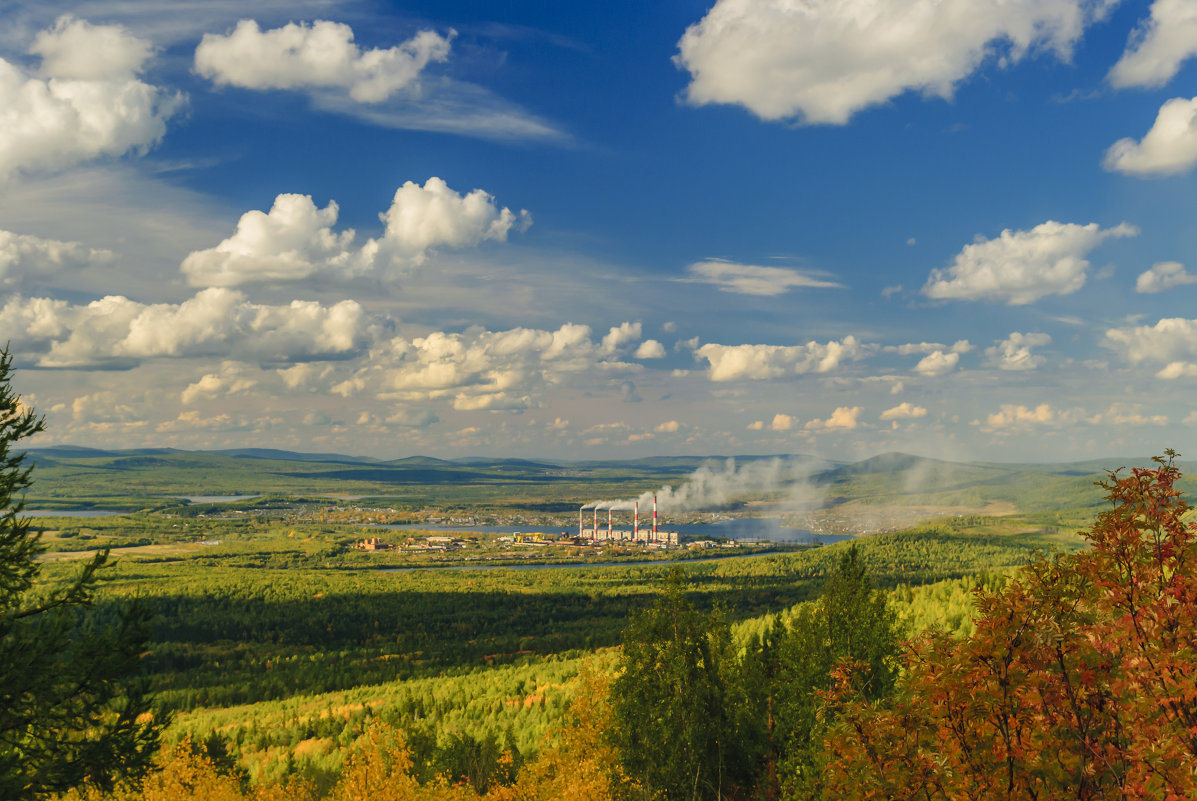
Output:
(716, 484)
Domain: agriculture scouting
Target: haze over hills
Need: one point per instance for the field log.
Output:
(134, 477)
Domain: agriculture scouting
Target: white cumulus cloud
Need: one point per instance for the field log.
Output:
(904, 411)
(107, 407)
(782, 422)
(1127, 414)
(191, 420)
(1011, 415)
(304, 376)
(1169, 148)
(621, 336)
(23, 256)
(843, 418)
(750, 279)
(1163, 276)
(86, 101)
(231, 379)
(1171, 342)
(937, 363)
(292, 241)
(821, 61)
(738, 362)
(911, 348)
(321, 55)
(1158, 46)
(295, 239)
(650, 349)
(1014, 352)
(74, 49)
(422, 218)
(118, 332)
(1020, 267)
(480, 370)
(1174, 370)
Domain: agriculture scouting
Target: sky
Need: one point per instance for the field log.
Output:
(956, 228)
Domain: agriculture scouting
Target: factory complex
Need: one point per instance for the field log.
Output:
(649, 536)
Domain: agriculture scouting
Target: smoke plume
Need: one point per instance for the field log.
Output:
(718, 484)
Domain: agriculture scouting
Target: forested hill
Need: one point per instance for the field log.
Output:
(904, 480)
(127, 478)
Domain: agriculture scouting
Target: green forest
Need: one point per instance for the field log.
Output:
(280, 655)
(166, 646)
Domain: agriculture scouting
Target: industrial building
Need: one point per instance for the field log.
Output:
(648, 536)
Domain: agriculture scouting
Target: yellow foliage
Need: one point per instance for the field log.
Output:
(582, 764)
(313, 746)
(380, 770)
(187, 776)
(579, 765)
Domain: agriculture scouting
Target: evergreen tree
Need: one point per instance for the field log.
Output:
(678, 702)
(70, 713)
(851, 623)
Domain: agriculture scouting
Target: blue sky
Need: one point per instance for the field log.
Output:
(841, 227)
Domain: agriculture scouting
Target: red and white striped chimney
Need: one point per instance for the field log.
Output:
(654, 518)
(609, 532)
(636, 520)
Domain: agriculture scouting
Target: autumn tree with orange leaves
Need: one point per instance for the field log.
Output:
(1080, 681)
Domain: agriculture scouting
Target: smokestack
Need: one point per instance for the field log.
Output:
(636, 520)
(654, 517)
(579, 522)
(594, 531)
(609, 531)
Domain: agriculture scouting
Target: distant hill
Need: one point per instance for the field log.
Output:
(508, 464)
(423, 461)
(292, 456)
(884, 463)
(80, 452)
(1097, 466)
(901, 479)
(139, 477)
(131, 476)
(692, 463)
